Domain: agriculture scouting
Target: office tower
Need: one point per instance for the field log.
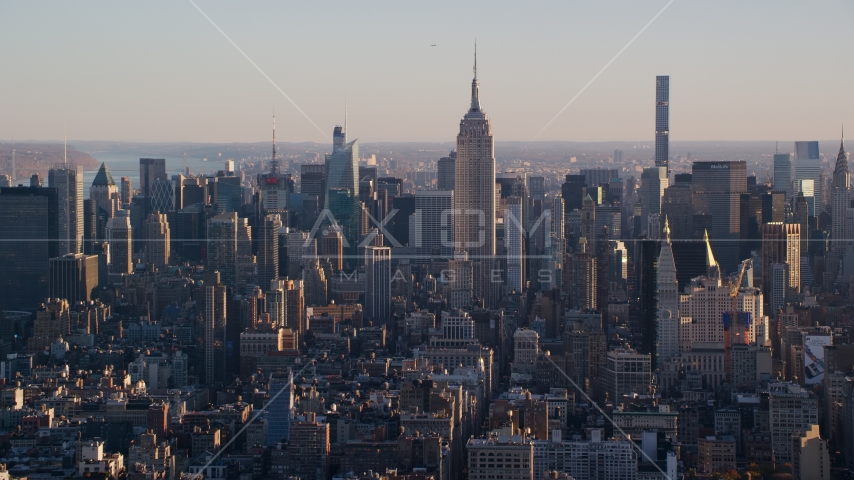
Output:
(313, 180)
(281, 407)
(162, 196)
(618, 155)
(653, 183)
(301, 247)
(781, 243)
(308, 452)
(314, 280)
(777, 289)
(222, 247)
(588, 223)
(431, 229)
(150, 169)
(459, 280)
(662, 122)
(119, 236)
(295, 308)
(525, 349)
(474, 195)
(783, 173)
(345, 210)
(268, 250)
(810, 455)
(717, 192)
(342, 188)
(841, 201)
(377, 285)
(73, 277)
(595, 177)
(572, 191)
(676, 208)
(537, 187)
(806, 188)
(667, 292)
(245, 259)
(126, 190)
(446, 172)
(68, 181)
(277, 302)
(157, 240)
(581, 281)
(808, 167)
(480, 451)
(29, 234)
(332, 249)
(214, 330)
(514, 244)
(105, 195)
(52, 321)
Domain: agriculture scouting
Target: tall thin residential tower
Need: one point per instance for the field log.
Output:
(474, 199)
(662, 121)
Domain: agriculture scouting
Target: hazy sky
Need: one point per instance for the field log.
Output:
(159, 71)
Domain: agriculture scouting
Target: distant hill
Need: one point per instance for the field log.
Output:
(39, 157)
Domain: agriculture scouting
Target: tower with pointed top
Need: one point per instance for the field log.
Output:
(474, 199)
(667, 293)
(841, 198)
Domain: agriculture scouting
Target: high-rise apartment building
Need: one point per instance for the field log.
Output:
(662, 122)
(29, 234)
(268, 250)
(73, 277)
(446, 170)
(120, 237)
(808, 167)
(474, 195)
(717, 192)
(792, 410)
(378, 285)
(308, 452)
(68, 181)
(157, 240)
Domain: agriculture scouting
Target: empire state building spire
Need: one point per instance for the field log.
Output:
(474, 110)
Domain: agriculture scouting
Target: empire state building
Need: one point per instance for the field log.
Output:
(474, 198)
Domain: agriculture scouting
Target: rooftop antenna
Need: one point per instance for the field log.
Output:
(345, 118)
(65, 152)
(14, 167)
(274, 164)
(776, 147)
(186, 172)
(475, 58)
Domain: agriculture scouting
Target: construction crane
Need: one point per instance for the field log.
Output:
(732, 319)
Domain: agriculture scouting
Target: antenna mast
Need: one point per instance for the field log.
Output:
(274, 164)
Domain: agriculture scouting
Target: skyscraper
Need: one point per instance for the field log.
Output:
(342, 189)
(105, 196)
(119, 236)
(73, 277)
(222, 247)
(781, 243)
(808, 167)
(214, 328)
(68, 181)
(783, 173)
(514, 243)
(474, 199)
(655, 181)
(446, 172)
(840, 199)
(29, 233)
(717, 192)
(431, 225)
(667, 292)
(662, 122)
(150, 169)
(157, 240)
(378, 285)
(268, 250)
(280, 408)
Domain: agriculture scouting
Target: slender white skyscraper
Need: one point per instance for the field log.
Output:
(474, 196)
(667, 287)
